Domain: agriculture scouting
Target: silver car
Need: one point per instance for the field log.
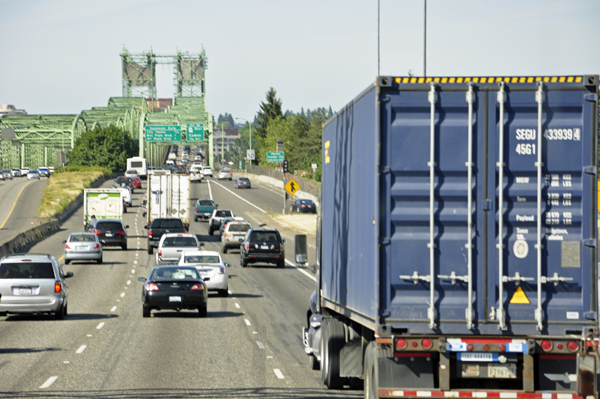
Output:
(16, 172)
(33, 174)
(224, 174)
(234, 233)
(211, 267)
(7, 174)
(83, 246)
(33, 283)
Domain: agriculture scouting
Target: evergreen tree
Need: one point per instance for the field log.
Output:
(269, 110)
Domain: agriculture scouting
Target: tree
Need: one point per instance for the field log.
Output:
(269, 110)
(108, 147)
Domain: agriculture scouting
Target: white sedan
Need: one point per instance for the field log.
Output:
(211, 267)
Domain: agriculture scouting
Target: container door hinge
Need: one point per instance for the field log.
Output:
(487, 205)
(385, 98)
(384, 169)
(590, 242)
(590, 170)
(590, 315)
(592, 97)
(384, 241)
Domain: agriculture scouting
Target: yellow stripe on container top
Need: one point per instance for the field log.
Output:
(486, 79)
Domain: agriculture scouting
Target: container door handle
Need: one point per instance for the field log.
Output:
(501, 98)
(470, 98)
(431, 312)
(539, 315)
(555, 279)
(517, 278)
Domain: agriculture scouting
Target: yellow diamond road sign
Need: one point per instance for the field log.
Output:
(292, 186)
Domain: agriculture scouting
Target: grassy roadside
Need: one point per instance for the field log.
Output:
(64, 187)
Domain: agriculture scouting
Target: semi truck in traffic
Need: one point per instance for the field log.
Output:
(168, 197)
(457, 240)
(102, 203)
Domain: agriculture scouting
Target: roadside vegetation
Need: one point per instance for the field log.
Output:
(64, 187)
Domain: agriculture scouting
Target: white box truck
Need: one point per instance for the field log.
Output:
(168, 197)
(102, 203)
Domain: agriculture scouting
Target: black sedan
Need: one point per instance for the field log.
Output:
(304, 206)
(174, 288)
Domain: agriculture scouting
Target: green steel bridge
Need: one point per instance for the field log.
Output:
(42, 140)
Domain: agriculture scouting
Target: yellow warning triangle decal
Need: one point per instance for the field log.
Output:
(520, 297)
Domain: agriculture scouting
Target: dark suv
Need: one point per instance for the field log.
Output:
(262, 246)
(112, 233)
(159, 226)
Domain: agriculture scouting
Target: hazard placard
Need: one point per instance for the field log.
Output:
(292, 186)
(520, 297)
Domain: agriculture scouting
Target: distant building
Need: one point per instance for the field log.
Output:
(9, 109)
(224, 142)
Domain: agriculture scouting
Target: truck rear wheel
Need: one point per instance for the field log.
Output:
(332, 342)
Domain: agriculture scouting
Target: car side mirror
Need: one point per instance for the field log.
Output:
(146, 227)
(142, 279)
(201, 244)
(65, 241)
(227, 265)
(127, 226)
(301, 249)
(283, 240)
(69, 274)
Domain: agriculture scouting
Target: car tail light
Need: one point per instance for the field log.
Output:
(160, 253)
(224, 234)
(122, 232)
(150, 233)
(184, 231)
(401, 343)
(573, 346)
(281, 247)
(57, 286)
(151, 287)
(247, 246)
(221, 270)
(197, 287)
(97, 232)
(196, 209)
(67, 246)
(546, 345)
(96, 246)
(426, 343)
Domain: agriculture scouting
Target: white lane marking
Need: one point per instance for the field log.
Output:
(66, 362)
(81, 349)
(135, 262)
(90, 335)
(128, 282)
(133, 272)
(237, 305)
(113, 309)
(100, 326)
(243, 199)
(255, 332)
(269, 357)
(279, 374)
(209, 190)
(310, 276)
(247, 322)
(260, 345)
(136, 254)
(122, 294)
(49, 382)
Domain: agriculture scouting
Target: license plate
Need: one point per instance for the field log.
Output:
(264, 247)
(109, 234)
(470, 370)
(24, 291)
(476, 357)
(174, 299)
(82, 248)
(504, 371)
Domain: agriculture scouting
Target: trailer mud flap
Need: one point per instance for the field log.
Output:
(351, 360)
(586, 375)
(407, 372)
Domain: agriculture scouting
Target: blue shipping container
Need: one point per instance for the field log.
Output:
(463, 206)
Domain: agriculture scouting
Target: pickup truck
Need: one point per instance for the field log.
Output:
(161, 226)
(216, 220)
(204, 209)
(172, 245)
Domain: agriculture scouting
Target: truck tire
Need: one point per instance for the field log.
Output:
(202, 311)
(243, 263)
(371, 383)
(150, 249)
(210, 231)
(332, 342)
(224, 249)
(145, 311)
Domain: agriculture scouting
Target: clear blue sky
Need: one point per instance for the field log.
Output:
(62, 56)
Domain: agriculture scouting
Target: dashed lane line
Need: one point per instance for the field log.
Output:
(49, 382)
(99, 327)
(81, 349)
(247, 322)
(279, 374)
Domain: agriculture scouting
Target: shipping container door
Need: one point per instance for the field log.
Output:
(544, 195)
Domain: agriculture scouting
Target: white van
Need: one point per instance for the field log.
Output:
(170, 163)
(139, 164)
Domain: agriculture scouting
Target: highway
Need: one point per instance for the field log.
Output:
(249, 346)
(20, 199)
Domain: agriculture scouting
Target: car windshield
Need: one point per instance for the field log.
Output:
(206, 203)
(265, 236)
(239, 227)
(104, 226)
(27, 270)
(223, 214)
(83, 238)
(173, 273)
(179, 242)
(202, 259)
(167, 224)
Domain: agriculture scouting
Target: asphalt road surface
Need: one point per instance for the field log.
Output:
(249, 345)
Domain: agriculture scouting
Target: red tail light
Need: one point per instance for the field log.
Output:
(196, 209)
(546, 345)
(221, 270)
(150, 233)
(160, 253)
(97, 232)
(197, 287)
(57, 286)
(281, 247)
(401, 343)
(96, 246)
(151, 287)
(184, 231)
(573, 346)
(247, 246)
(122, 232)
(426, 343)
(67, 246)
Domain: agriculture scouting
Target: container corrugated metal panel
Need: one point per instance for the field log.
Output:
(376, 207)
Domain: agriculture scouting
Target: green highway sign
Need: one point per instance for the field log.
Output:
(163, 133)
(275, 156)
(195, 132)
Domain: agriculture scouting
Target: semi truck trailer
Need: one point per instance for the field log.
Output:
(457, 240)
